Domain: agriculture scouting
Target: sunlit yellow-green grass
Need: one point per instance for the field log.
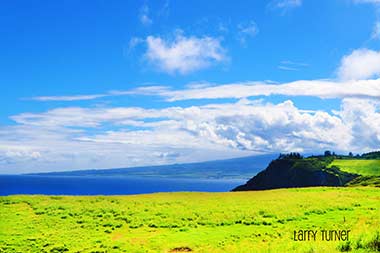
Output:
(361, 167)
(259, 221)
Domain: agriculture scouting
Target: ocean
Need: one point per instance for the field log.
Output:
(108, 185)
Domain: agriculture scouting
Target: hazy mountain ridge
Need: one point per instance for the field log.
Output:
(236, 168)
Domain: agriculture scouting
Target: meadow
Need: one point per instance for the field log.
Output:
(258, 221)
(358, 166)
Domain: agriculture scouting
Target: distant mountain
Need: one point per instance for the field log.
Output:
(237, 168)
(295, 171)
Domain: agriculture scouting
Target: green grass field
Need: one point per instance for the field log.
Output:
(260, 221)
(361, 167)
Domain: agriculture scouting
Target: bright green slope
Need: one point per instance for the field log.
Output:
(259, 221)
(361, 167)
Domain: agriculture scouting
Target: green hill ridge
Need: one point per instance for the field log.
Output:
(293, 170)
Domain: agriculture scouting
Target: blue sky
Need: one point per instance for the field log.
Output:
(101, 84)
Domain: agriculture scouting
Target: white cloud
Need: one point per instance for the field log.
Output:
(325, 89)
(74, 138)
(144, 15)
(83, 117)
(69, 98)
(257, 126)
(184, 54)
(317, 88)
(363, 118)
(63, 143)
(24, 154)
(360, 64)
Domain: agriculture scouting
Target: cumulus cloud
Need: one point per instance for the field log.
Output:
(246, 125)
(20, 153)
(363, 118)
(184, 54)
(360, 64)
(17, 155)
(266, 127)
(57, 143)
(141, 136)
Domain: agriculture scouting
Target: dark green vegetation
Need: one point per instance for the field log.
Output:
(365, 181)
(237, 168)
(258, 221)
(292, 170)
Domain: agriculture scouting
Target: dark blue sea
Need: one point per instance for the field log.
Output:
(107, 185)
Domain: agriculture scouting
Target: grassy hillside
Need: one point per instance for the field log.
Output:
(295, 171)
(259, 221)
(357, 166)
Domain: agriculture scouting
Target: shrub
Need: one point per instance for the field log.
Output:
(345, 247)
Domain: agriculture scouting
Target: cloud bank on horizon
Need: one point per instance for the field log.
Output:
(176, 112)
